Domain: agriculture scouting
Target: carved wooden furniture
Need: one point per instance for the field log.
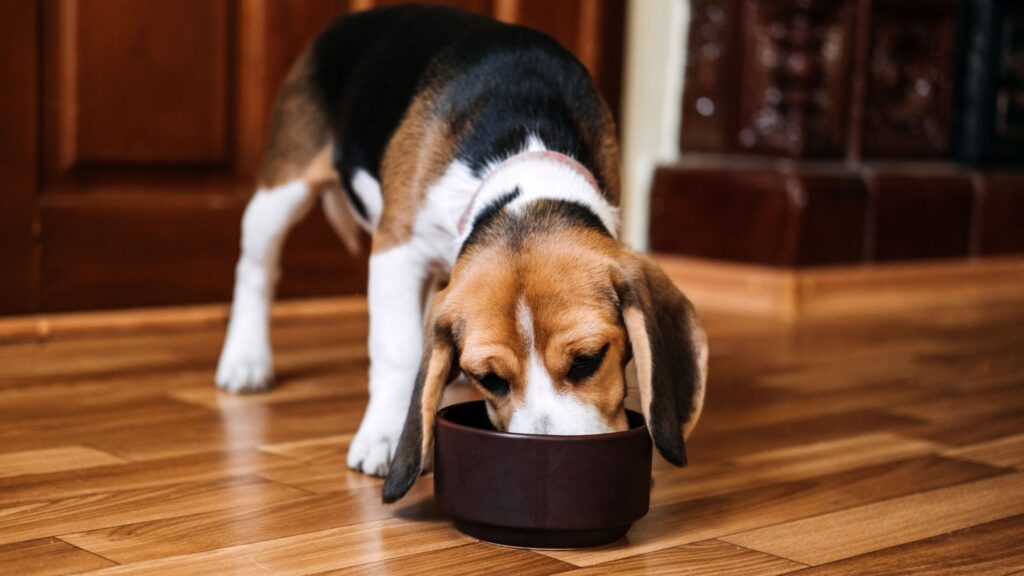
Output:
(836, 131)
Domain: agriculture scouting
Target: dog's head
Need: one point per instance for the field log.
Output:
(543, 312)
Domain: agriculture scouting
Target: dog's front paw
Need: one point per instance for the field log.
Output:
(246, 365)
(374, 444)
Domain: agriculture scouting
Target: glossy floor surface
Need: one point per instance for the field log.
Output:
(869, 445)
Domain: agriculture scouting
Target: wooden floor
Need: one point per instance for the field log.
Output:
(886, 445)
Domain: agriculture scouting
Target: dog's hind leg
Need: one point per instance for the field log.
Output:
(292, 174)
(339, 215)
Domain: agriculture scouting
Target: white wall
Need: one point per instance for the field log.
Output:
(652, 99)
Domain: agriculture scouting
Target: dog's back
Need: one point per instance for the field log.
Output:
(366, 68)
(496, 83)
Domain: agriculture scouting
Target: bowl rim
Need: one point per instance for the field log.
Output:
(442, 420)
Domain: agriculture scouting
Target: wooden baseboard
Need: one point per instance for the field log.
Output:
(807, 293)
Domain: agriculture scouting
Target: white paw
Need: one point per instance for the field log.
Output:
(374, 444)
(246, 365)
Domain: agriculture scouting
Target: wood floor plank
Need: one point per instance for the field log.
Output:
(875, 444)
(172, 320)
(783, 465)
(47, 557)
(314, 384)
(721, 444)
(767, 407)
(991, 549)
(113, 478)
(468, 560)
(53, 460)
(311, 552)
(969, 430)
(322, 476)
(1006, 451)
(321, 465)
(187, 534)
(986, 402)
(706, 518)
(708, 558)
(311, 449)
(101, 357)
(116, 508)
(93, 426)
(236, 428)
(876, 526)
(141, 354)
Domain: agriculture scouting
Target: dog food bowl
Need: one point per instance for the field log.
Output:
(538, 491)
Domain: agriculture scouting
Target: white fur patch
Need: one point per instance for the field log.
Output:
(246, 363)
(397, 277)
(540, 179)
(367, 189)
(396, 344)
(438, 221)
(544, 409)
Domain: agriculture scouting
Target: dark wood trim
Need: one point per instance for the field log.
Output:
(19, 116)
(756, 212)
(760, 211)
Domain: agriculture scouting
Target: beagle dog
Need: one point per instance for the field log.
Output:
(480, 153)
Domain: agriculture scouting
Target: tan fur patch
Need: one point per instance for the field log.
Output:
(321, 177)
(416, 156)
(608, 158)
(433, 386)
(299, 145)
(700, 344)
(573, 315)
(299, 129)
(480, 299)
(634, 320)
(563, 278)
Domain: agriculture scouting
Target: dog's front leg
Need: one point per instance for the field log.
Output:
(397, 277)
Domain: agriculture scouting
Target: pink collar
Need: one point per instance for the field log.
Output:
(546, 155)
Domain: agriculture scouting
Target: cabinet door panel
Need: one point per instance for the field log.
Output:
(19, 100)
(138, 82)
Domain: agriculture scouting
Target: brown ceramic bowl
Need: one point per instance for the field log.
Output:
(538, 491)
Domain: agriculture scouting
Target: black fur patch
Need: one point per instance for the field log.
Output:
(540, 216)
(496, 85)
(368, 66)
(496, 205)
(514, 82)
(407, 465)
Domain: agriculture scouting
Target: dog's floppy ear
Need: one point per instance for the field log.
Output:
(670, 352)
(415, 447)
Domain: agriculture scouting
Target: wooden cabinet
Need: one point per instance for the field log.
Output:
(822, 132)
(134, 129)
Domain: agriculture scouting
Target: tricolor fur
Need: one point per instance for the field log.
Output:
(479, 152)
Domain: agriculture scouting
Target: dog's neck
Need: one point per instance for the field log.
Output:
(538, 175)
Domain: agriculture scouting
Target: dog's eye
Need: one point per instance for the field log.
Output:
(493, 383)
(583, 367)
